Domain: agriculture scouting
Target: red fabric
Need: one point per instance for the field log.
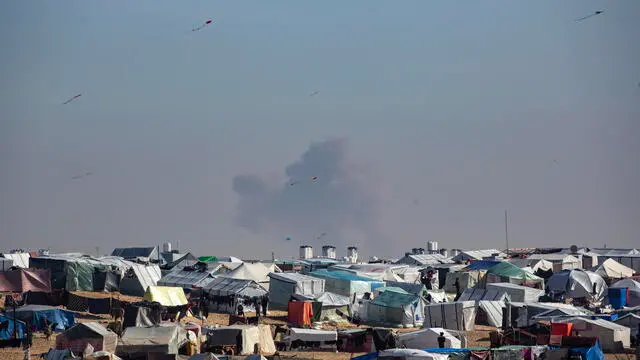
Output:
(563, 329)
(23, 280)
(299, 313)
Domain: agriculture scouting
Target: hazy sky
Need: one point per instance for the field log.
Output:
(431, 119)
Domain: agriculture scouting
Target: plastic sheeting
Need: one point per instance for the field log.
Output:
(23, 280)
(577, 284)
(428, 338)
(459, 315)
(613, 269)
(7, 331)
(250, 336)
(36, 314)
(187, 279)
(161, 339)
(166, 296)
(507, 272)
(416, 289)
(633, 292)
(311, 335)
(345, 283)
(283, 285)
(409, 354)
(492, 311)
(476, 294)
(395, 309)
(20, 260)
(517, 292)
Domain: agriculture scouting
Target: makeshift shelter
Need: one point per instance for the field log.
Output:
(20, 260)
(311, 338)
(130, 253)
(424, 259)
(411, 288)
(257, 272)
(332, 306)
(136, 277)
(577, 284)
(488, 254)
(476, 294)
(142, 314)
(190, 277)
(77, 337)
(5, 264)
(560, 261)
(490, 313)
(160, 339)
(23, 280)
(459, 315)
(346, 283)
(632, 321)
(381, 272)
(505, 272)
(427, 339)
(612, 337)
(283, 285)
(166, 296)
(226, 294)
(11, 328)
(613, 270)
(633, 291)
(244, 337)
(300, 313)
(355, 341)
(517, 292)
(466, 280)
(35, 315)
(395, 309)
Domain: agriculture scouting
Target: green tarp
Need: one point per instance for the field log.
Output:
(208, 259)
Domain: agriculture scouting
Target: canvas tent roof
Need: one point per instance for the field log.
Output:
(475, 294)
(257, 272)
(35, 315)
(612, 269)
(135, 252)
(187, 279)
(427, 339)
(577, 284)
(20, 260)
(23, 280)
(160, 339)
(251, 335)
(227, 286)
(508, 272)
(165, 295)
(283, 285)
(633, 292)
(424, 259)
(417, 289)
(518, 292)
(145, 275)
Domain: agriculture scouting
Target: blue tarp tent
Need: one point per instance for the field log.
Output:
(6, 331)
(35, 315)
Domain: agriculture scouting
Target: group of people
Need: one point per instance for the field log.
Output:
(260, 304)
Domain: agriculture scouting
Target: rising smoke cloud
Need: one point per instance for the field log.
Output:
(340, 203)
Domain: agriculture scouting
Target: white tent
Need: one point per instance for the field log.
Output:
(410, 354)
(324, 337)
(613, 269)
(459, 315)
(427, 338)
(489, 313)
(20, 260)
(252, 336)
(577, 284)
(633, 290)
(283, 285)
(632, 321)
(517, 292)
(475, 294)
(257, 272)
(612, 337)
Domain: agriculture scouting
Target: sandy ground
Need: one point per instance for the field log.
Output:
(477, 338)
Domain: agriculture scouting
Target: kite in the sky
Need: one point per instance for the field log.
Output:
(321, 236)
(202, 26)
(314, 178)
(77, 177)
(591, 15)
(314, 93)
(288, 238)
(70, 100)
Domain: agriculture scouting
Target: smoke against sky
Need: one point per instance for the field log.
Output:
(339, 202)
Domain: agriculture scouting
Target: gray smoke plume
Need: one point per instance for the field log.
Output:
(340, 202)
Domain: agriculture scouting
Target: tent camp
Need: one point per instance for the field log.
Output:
(142, 314)
(517, 292)
(160, 339)
(612, 337)
(394, 309)
(613, 270)
(314, 338)
(577, 284)
(560, 261)
(257, 272)
(346, 283)
(77, 337)
(190, 277)
(427, 339)
(36, 314)
(20, 260)
(476, 295)
(226, 294)
(23, 280)
(136, 277)
(633, 291)
(505, 272)
(411, 288)
(246, 337)
(165, 295)
(283, 285)
(459, 315)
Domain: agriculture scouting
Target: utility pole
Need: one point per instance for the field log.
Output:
(506, 230)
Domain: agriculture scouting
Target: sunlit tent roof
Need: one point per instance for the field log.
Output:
(165, 295)
(19, 259)
(613, 269)
(508, 272)
(160, 339)
(227, 286)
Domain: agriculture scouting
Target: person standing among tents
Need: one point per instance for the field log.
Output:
(441, 340)
(265, 304)
(457, 285)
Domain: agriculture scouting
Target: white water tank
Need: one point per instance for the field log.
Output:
(455, 252)
(432, 247)
(306, 252)
(166, 247)
(352, 254)
(444, 252)
(329, 252)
